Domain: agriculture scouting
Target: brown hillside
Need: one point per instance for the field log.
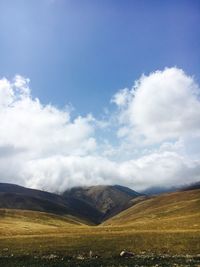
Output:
(179, 210)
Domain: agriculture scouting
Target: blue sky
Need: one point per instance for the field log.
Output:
(122, 127)
(82, 51)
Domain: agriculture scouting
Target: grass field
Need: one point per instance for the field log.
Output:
(179, 210)
(165, 225)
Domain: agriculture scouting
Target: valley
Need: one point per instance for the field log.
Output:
(167, 225)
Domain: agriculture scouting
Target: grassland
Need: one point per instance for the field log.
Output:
(165, 225)
(173, 211)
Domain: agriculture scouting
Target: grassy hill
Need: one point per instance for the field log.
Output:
(24, 222)
(168, 224)
(179, 210)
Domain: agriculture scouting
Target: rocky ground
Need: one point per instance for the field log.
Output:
(53, 260)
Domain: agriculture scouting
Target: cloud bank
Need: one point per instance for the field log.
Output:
(158, 129)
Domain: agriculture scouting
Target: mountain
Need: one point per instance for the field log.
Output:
(157, 190)
(192, 186)
(109, 205)
(18, 197)
(92, 204)
(178, 210)
(106, 199)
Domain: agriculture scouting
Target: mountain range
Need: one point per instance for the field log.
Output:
(92, 205)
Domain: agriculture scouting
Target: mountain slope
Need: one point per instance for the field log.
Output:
(179, 210)
(18, 197)
(157, 190)
(108, 200)
(94, 204)
(192, 186)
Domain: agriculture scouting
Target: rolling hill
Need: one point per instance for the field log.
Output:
(27, 222)
(179, 210)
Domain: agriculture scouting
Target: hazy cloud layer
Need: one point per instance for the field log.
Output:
(157, 122)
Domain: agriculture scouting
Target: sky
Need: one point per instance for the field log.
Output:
(99, 92)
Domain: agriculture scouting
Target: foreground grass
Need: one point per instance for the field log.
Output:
(106, 242)
(168, 226)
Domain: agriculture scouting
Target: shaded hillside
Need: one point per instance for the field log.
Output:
(192, 186)
(18, 197)
(157, 190)
(108, 200)
(93, 204)
(179, 210)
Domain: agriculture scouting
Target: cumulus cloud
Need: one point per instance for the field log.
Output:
(161, 106)
(42, 130)
(41, 146)
(30, 130)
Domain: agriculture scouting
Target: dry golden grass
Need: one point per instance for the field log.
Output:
(174, 211)
(24, 222)
(168, 223)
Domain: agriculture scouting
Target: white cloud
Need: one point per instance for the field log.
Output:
(122, 98)
(30, 131)
(162, 106)
(6, 93)
(27, 124)
(42, 147)
(159, 168)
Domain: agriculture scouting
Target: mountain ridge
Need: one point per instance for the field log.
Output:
(102, 202)
(108, 199)
(19, 197)
(92, 204)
